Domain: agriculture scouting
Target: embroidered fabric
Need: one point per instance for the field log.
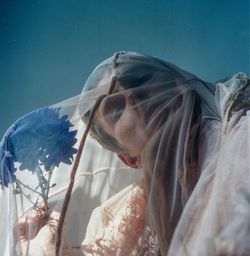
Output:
(116, 226)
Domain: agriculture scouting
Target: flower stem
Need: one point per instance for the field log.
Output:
(44, 186)
(19, 183)
(28, 187)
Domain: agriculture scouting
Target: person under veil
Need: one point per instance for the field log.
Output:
(190, 141)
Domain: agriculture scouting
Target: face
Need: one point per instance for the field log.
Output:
(122, 118)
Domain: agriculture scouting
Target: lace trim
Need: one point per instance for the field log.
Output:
(122, 229)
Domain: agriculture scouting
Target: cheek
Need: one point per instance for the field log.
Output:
(126, 126)
(129, 132)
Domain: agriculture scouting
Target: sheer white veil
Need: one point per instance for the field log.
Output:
(180, 115)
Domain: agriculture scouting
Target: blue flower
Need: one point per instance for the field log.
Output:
(7, 168)
(42, 138)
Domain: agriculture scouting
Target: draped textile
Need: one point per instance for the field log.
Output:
(182, 187)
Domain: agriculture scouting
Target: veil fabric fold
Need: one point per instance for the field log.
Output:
(182, 187)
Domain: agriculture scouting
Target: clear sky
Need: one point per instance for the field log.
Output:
(48, 47)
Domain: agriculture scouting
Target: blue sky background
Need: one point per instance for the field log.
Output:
(48, 47)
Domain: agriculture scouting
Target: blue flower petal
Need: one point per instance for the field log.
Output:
(43, 138)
